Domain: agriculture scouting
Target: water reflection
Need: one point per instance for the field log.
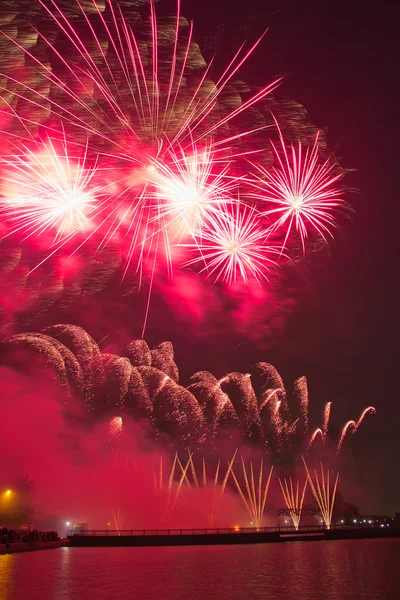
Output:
(342, 570)
(6, 568)
(61, 582)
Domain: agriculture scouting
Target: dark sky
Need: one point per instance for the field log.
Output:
(341, 62)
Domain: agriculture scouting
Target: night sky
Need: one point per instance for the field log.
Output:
(340, 61)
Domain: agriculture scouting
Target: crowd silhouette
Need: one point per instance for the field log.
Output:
(13, 536)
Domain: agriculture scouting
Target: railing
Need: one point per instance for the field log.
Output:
(215, 531)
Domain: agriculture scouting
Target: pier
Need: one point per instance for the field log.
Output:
(216, 536)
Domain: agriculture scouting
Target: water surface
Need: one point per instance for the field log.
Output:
(323, 570)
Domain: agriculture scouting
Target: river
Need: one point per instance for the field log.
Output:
(323, 570)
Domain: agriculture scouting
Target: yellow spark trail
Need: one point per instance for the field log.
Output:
(254, 499)
(118, 520)
(169, 496)
(217, 487)
(291, 498)
(320, 487)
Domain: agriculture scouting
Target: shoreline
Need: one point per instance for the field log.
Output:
(30, 547)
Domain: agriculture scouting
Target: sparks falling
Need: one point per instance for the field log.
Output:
(143, 384)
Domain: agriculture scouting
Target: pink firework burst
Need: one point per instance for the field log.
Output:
(233, 246)
(301, 190)
(188, 188)
(49, 189)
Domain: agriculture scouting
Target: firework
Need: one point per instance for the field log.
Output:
(162, 149)
(117, 98)
(233, 246)
(118, 520)
(167, 492)
(49, 189)
(189, 190)
(325, 423)
(322, 431)
(346, 427)
(115, 426)
(302, 392)
(293, 500)
(324, 496)
(144, 384)
(117, 140)
(318, 432)
(301, 190)
(267, 396)
(352, 426)
(369, 409)
(216, 404)
(254, 495)
(211, 483)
